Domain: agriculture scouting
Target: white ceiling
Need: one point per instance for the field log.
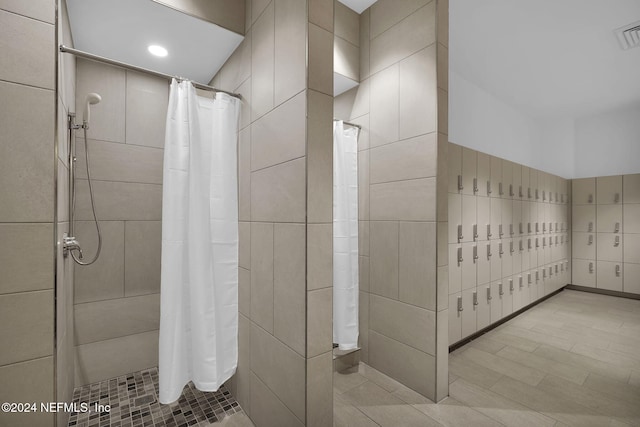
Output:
(358, 5)
(123, 29)
(549, 58)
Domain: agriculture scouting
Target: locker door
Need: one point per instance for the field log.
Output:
(584, 218)
(517, 181)
(455, 167)
(631, 278)
(524, 253)
(526, 218)
(496, 260)
(517, 292)
(507, 218)
(455, 268)
(533, 184)
(533, 252)
(496, 176)
(584, 245)
(631, 188)
(507, 258)
(632, 218)
(455, 216)
(531, 286)
(468, 218)
(542, 282)
(496, 301)
(483, 217)
(469, 265)
(543, 257)
(609, 247)
(483, 318)
(496, 217)
(542, 187)
(609, 276)
(469, 313)
(609, 219)
(516, 256)
(584, 191)
(507, 299)
(484, 174)
(632, 248)
(484, 262)
(469, 170)
(455, 318)
(507, 179)
(533, 217)
(525, 183)
(518, 226)
(584, 272)
(549, 285)
(609, 190)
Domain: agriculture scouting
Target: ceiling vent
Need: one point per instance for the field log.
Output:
(629, 35)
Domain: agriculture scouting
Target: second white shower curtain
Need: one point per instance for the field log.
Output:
(345, 236)
(199, 284)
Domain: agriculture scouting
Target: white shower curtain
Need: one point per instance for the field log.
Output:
(199, 283)
(345, 236)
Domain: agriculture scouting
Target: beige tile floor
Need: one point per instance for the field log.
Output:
(573, 360)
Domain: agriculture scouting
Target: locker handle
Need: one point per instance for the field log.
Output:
(529, 227)
(500, 233)
(488, 251)
(616, 242)
(475, 185)
(590, 226)
(537, 275)
(529, 278)
(521, 246)
(475, 253)
(488, 187)
(616, 198)
(500, 252)
(616, 229)
(460, 304)
(520, 192)
(562, 198)
(500, 189)
(537, 243)
(520, 228)
(590, 267)
(511, 285)
(460, 186)
(556, 266)
(475, 298)
(460, 256)
(511, 190)
(544, 227)
(561, 267)
(544, 195)
(511, 246)
(475, 231)
(511, 229)
(460, 238)
(529, 243)
(489, 231)
(500, 291)
(550, 227)
(617, 271)
(556, 197)
(544, 242)
(537, 227)
(537, 194)
(556, 227)
(529, 193)
(489, 294)
(590, 198)
(590, 241)
(520, 284)
(550, 271)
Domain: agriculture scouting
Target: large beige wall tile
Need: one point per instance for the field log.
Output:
(319, 158)
(320, 61)
(289, 291)
(417, 264)
(262, 62)
(103, 320)
(103, 359)
(346, 59)
(244, 245)
(418, 96)
(229, 14)
(443, 21)
(413, 33)
(411, 367)
(105, 278)
(278, 193)
(365, 44)
(443, 67)
(407, 159)
(412, 200)
(343, 103)
(111, 161)
(319, 256)
(30, 381)
(26, 152)
(320, 390)
(257, 8)
(363, 238)
(147, 99)
(364, 191)
(387, 13)
(244, 291)
(119, 201)
(108, 118)
(26, 326)
(262, 275)
(384, 98)
(631, 188)
(63, 192)
(26, 257)
(347, 25)
(237, 69)
(244, 174)
(142, 249)
(403, 322)
(290, 49)
(280, 368)
(267, 410)
(42, 10)
(363, 273)
(384, 258)
(279, 136)
(319, 321)
(243, 372)
(30, 45)
(246, 107)
(321, 13)
(631, 216)
(363, 325)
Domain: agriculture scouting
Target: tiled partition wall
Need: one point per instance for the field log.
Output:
(401, 106)
(27, 172)
(284, 71)
(117, 300)
(606, 233)
(509, 228)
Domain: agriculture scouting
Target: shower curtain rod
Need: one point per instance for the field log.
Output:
(98, 58)
(349, 124)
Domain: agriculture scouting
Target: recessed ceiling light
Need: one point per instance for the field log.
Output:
(156, 50)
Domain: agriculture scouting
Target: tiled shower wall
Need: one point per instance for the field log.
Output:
(117, 300)
(284, 374)
(606, 233)
(27, 88)
(401, 106)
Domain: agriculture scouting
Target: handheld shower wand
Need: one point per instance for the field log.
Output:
(92, 99)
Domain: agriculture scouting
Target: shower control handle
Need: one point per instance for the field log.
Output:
(69, 244)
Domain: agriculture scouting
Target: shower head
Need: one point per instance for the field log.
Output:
(92, 98)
